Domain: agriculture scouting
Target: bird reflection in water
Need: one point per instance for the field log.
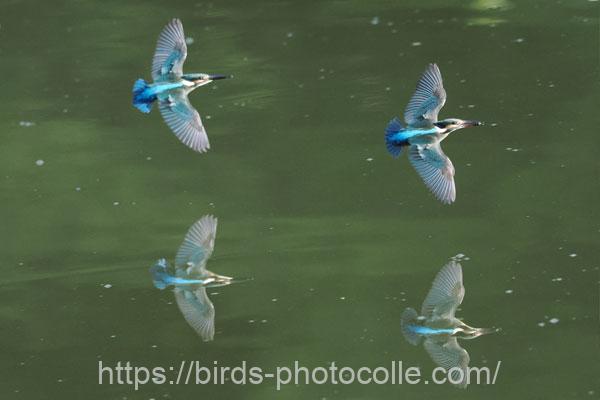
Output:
(439, 328)
(190, 277)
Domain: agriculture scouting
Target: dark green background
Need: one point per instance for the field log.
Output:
(301, 209)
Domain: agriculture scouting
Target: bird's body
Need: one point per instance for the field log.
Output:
(438, 327)
(423, 134)
(171, 88)
(191, 278)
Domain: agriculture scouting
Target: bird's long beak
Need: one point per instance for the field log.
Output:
(219, 76)
(470, 123)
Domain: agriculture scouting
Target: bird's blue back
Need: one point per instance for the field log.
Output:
(425, 331)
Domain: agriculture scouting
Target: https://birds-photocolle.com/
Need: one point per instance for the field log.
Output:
(191, 278)
(438, 326)
(170, 88)
(423, 135)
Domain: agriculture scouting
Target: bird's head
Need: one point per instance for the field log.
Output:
(203, 79)
(452, 124)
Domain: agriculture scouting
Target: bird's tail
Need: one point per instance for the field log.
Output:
(141, 100)
(160, 276)
(393, 127)
(407, 322)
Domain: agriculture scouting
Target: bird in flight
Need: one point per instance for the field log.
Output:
(191, 278)
(423, 134)
(170, 88)
(440, 328)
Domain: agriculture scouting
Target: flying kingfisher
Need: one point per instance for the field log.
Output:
(424, 133)
(440, 328)
(171, 88)
(191, 278)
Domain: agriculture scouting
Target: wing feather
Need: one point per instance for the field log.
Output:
(170, 52)
(436, 170)
(184, 120)
(198, 245)
(446, 293)
(449, 355)
(198, 311)
(429, 97)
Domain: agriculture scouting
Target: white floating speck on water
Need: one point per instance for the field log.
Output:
(369, 159)
(508, 291)
(557, 279)
(375, 21)
(26, 124)
(78, 189)
(290, 34)
(573, 255)
(541, 324)
(519, 40)
(343, 298)
(273, 300)
(116, 203)
(39, 163)
(415, 44)
(107, 286)
(189, 40)
(553, 320)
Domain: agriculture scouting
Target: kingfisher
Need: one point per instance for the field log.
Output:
(171, 88)
(438, 326)
(423, 134)
(191, 278)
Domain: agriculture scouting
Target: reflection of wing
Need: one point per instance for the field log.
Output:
(449, 355)
(184, 120)
(435, 169)
(446, 293)
(429, 97)
(198, 311)
(197, 246)
(170, 52)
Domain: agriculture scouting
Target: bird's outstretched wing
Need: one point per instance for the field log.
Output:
(435, 169)
(198, 311)
(429, 97)
(170, 52)
(197, 246)
(184, 120)
(448, 354)
(446, 293)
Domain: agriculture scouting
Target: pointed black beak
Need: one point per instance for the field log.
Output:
(470, 123)
(218, 76)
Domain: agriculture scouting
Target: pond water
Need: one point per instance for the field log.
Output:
(337, 236)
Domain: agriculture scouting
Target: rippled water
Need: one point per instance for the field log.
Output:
(338, 237)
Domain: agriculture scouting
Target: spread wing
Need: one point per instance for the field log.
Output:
(448, 355)
(170, 52)
(197, 246)
(198, 311)
(435, 169)
(446, 293)
(184, 120)
(429, 97)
